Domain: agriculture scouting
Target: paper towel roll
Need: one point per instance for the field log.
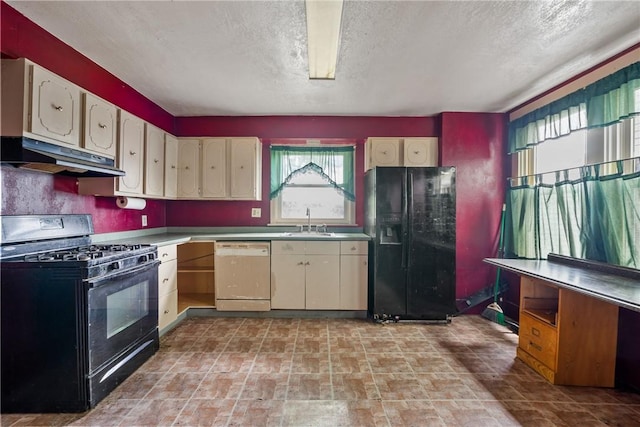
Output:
(131, 203)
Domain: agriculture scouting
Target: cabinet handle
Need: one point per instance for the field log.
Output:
(300, 263)
(241, 167)
(155, 160)
(384, 152)
(416, 152)
(535, 332)
(534, 345)
(213, 167)
(101, 126)
(353, 248)
(307, 263)
(57, 107)
(173, 166)
(166, 312)
(165, 280)
(133, 153)
(186, 167)
(165, 254)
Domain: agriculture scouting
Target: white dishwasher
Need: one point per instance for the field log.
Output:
(243, 276)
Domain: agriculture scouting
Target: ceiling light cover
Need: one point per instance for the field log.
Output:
(323, 37)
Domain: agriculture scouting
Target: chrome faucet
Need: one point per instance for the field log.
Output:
(309, 220)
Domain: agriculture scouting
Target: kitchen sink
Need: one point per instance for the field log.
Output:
(307, 234)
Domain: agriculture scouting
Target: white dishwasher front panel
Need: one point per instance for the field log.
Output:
(243, 276)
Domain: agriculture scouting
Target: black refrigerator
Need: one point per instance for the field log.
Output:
(410, 215)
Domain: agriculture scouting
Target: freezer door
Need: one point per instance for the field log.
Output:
(388, 255)
(431, 251)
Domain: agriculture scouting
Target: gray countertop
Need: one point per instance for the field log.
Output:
(615, 289)
(168, 238)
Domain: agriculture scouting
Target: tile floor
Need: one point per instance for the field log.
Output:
(336, 372)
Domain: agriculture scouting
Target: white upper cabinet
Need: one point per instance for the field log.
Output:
(214, 168)
(154, 161)
(229, 169)
(39, 104)
(244, 174)
(383, 152)
(131, 153)
(100, 126)
(418, 151)
(55, 107)
(170, 166)
(188, 168)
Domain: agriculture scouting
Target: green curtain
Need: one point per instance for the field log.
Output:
(594, 217)
(602, 103)
(335, 163)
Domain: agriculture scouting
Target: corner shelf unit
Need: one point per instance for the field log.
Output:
(196, 270)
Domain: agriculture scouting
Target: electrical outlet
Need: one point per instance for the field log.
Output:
(256, 212)
(144, 220)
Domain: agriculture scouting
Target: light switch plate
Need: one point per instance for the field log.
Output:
(144, 220)
(256, 212)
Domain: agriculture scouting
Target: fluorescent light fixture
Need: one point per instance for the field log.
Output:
(323, 36)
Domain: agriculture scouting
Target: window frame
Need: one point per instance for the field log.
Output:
(349, 218)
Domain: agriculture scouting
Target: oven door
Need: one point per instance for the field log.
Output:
(122, 308)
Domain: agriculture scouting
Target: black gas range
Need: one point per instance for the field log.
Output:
(77, 318)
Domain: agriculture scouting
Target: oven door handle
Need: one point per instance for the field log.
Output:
(95, 282)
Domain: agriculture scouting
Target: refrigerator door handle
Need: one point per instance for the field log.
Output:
(405, 222)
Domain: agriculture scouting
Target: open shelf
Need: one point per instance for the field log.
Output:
(545, 309)
(196, 287)
(186, 300)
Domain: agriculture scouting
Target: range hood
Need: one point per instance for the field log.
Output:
(42, 156)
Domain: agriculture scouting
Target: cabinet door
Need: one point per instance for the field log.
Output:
(353, 282)
(170, 166)
(244, 172)
(214, 167)
(154, 161)
(100, 126)
(384, 152)
(130, 153)
(188, 170)
(322, 282)
(288, 282)
(421, 151)
(55, 107)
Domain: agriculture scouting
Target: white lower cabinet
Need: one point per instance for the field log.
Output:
(305, 275)
(354, 270)
(167, 286)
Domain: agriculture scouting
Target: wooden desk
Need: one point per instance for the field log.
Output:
(569, 316)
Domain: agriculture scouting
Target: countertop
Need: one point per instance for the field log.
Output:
(162, 238)
(615, 289)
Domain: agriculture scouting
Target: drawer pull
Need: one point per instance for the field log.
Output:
(132, 153)
(57, 107)
(166, 312)
(165, 254)
(300, 263)
(165, 280)
(536, 346)
(102, 126)
(535, 332)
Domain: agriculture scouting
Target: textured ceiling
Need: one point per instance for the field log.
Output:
(396, 58)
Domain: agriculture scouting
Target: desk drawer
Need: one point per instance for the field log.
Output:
(538, 339)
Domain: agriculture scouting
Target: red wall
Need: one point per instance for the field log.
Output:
(476, 144)
(280, 128)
